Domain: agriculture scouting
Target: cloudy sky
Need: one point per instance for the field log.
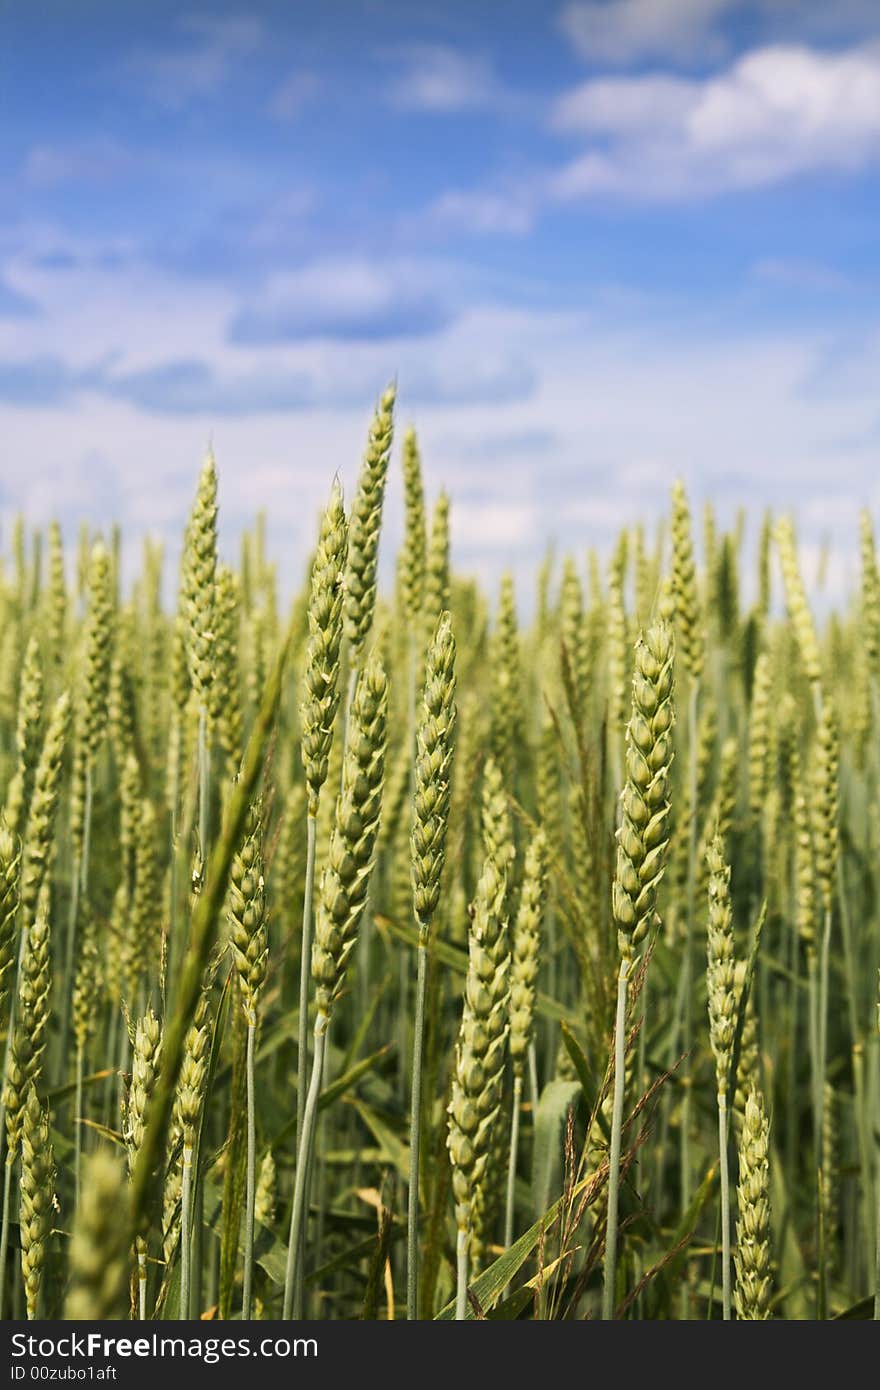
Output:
(600, 244)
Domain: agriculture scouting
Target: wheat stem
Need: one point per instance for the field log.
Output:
(250, 1202)
(87, 834)
(877, 1261)
(462, 1243)
(534, 1087)
(415, 1131)
(78, 1122)
(293, 1274)
(142, 1279)
(724, 1179)
(186, 1231)
(511, 1162)
(8, 1167)
(609, 1287)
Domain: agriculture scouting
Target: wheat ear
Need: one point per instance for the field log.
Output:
(37, 1197)
(249, 941)
(317, 716)
(101, 1243)
(479, 1058)
(365, 525)
(721, 988)
(642, 840)
(433, 772)
(753, 1282)
(525, 964)
(342, 899)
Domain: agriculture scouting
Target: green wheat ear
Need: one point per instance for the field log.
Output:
(100, 1258)
(688, 619)
(266, 1190)
(10, 861)
(37, 1197)
(39, 836)
(870, 595)
(721, 966)
(643, 835)
(226, 715)
(365, 525)
(798, 606)
(433, 772)
(198, 592)
(413, 555)
(27, 739)
(97, 654)
(826, 802)
(56, 600)
(572, 630)
(617, 639)
(506, 694)
(479, 1056)
(346, 877)
(321, 673)
(247, 914)
(437, 580)
(753, 1271)
(759, 734)
(30, 1024)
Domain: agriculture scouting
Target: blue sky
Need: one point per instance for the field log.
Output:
(600, 244)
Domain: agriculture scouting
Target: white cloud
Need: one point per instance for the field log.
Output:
(205, 59)
(483, 212)
(497, 524)
(775, 113)
(438, 78)
(800, 274)
(349, 298)
(626, 106)
(47, 166)
(622, 31)
(295, 92)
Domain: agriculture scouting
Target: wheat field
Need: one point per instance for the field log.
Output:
(394, 954)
